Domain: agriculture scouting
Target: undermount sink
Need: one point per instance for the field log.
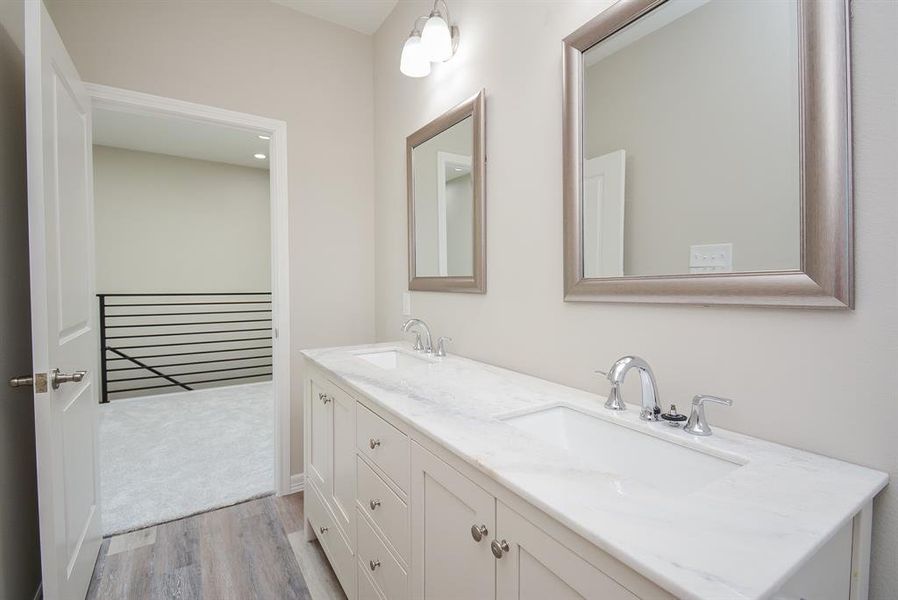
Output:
(639, 462)
(392, 359)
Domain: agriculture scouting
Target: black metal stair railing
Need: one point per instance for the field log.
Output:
(148, 339)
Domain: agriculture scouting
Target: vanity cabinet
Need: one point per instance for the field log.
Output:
(400, 517)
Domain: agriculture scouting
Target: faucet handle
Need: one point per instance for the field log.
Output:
(697, 423)
(441, 346)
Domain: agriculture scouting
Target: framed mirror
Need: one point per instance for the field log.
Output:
(707, 154)
(446, 166)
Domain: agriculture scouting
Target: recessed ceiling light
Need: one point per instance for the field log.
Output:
(260, 156)
(264, 137)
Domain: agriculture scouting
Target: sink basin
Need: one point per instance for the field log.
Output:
(392, 359)
(640, 463)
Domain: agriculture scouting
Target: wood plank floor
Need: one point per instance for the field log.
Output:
(253, 550)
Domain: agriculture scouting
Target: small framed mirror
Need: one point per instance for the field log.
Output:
(446, 165)
(707, 155)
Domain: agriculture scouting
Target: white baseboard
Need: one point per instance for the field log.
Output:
(297, 483)
(40, 591)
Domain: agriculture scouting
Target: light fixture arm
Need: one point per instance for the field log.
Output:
(416, 29)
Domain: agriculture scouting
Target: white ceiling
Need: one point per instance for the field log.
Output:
(364, 16)
(178, 137)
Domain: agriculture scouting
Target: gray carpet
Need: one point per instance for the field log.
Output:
(169, 456)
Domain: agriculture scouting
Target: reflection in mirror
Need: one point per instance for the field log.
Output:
(691, 133)
(445, 170)
(444, 203)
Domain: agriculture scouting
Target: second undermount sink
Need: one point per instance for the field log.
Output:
(639, 463)
(392, 359)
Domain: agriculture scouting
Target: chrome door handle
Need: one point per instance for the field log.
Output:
(478, 532)
(373, 443)
(23, 381)
(499, 548)
(373, 504)
(373, 564)
(57, 378)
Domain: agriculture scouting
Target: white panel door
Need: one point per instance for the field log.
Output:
(63, 308)
(447, 562)
(603, 215)
(536, 567)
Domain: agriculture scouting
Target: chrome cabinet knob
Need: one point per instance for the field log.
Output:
(373, 504)
(57, 378)
(499, 548)
(323, 530)
(373, 443)
(373, 564)
(478, 532)
(324, 397)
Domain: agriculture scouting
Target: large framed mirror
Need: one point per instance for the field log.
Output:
(707, 154)
(446, 167)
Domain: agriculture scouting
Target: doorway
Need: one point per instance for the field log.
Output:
(193, 338)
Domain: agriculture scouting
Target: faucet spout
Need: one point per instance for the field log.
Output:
(651, 402)
(422, 327)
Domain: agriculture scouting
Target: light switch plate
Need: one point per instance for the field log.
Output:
(711, 258)
(407, 304)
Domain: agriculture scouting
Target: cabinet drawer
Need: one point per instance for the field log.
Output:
(385, 508)
(332, 541)
(386, 446)
(387, 574)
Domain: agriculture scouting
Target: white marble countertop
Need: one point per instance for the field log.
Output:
(739, 537)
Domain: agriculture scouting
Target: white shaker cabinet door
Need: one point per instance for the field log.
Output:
(447, 563)
(534, 566)
(320, 431)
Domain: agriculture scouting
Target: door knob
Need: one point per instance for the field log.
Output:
(57, 378)
(373, 564)
(373, 443)
(374, 504)
(499, 548)
(23, 381)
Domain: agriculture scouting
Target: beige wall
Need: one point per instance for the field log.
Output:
(710, 127)
(20, 567)
(265, 59)
(824, 381)
(171, 224)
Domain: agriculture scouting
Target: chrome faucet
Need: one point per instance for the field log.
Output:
(427, 346)
(651, 403)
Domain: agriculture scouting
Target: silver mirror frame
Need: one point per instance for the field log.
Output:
(474, 107)
(825, 278)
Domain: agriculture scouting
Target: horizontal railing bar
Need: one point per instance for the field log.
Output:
(153, 387)
(153, 335)
(194, 362)
(190, 303)
(184, 314)
(144, 294)
(199, 352)
(254, 339)
(187, 323)
(185, 373)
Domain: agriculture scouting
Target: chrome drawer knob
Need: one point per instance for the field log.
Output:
(323, 530)
(478, 532)
(324, 397)
(499, 548)
(373, 564)
(373, 504)
(373, 443)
